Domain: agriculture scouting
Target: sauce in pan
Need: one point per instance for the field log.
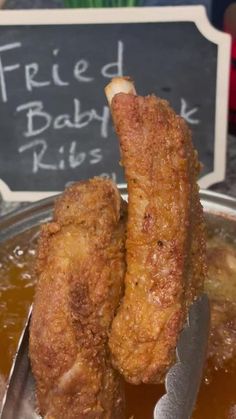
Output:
(216, 400)
(16, 294)
(217, 397)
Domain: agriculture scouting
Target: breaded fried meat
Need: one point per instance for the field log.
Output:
(165, 233)
(80, 268)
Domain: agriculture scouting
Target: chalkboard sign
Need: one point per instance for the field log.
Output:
(55, 125)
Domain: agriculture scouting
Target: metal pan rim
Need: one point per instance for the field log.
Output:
(40, 212)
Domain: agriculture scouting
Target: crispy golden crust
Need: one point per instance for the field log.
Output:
(80, 267)
(165, 236)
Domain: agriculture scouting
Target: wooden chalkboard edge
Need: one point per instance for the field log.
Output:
(31, 196)
(186, 13)
(10, 196)
(223, 41)
(211, 178)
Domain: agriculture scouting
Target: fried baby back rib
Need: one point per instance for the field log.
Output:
(80, 266)
(165, 233)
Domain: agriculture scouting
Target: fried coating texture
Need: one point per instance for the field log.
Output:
(80, 266)
(165, 236)
(220, 286)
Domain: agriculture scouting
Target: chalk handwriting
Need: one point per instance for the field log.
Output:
(35, 110)
(32, 71)
(5, 69)
(76, 159)
(117, 66)
(56, 76)
(187, 113)
(62, 159)
(80, 67)
(38, 120)
(39, 148)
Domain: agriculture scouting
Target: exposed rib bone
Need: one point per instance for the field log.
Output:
(119, 85)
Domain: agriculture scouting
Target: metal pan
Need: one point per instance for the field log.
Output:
(220, 212)
(221, 208)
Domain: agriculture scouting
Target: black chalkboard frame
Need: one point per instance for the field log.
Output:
(196, 14)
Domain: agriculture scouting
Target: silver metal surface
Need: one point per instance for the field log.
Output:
(41, 212)
(18, 401)
(184, 377)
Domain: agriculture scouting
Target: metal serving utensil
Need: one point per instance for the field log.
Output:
(184, 377)
(182, 380)
(19, 399)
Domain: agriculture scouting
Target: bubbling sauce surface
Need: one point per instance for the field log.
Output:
(216, 399)
(16, 293)
(217, 396)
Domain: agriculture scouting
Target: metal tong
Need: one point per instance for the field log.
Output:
(182, 380)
